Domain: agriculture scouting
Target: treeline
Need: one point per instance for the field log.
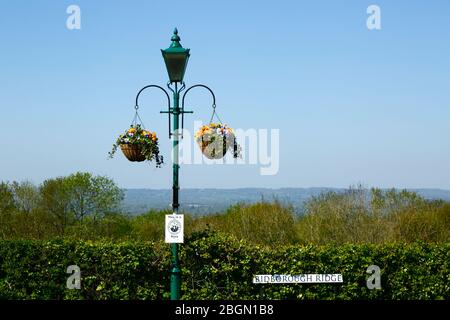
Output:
(355, 216)
(57, 206)
(86, 207)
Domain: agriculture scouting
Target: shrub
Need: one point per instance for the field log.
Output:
(260, 223)
(37, 270)
(217, 266)
(362, 216)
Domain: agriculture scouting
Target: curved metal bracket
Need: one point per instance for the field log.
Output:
(176, 90)
(184, 95)
(169, 87)
(183, 86)
(152, 86)
(167, 95)
(194, 86)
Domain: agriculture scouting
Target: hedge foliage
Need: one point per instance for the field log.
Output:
(219, 266)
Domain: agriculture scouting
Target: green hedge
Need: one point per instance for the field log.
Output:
(219, 267)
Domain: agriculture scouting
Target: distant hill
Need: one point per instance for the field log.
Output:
(208, 201)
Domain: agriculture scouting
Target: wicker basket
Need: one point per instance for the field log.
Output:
(132, 152)
(217, 147)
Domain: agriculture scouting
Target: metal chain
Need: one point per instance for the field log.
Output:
(136, 117)
(214, 113)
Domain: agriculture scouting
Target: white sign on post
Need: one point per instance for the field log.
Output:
(174, 228)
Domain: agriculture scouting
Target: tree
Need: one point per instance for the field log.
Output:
(92, 195)
(81, 194)
(7, 207)
(55, 200)
(7, 203)
(26, 196)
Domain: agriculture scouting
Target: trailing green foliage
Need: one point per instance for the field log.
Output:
(145, 140)
(219, 266)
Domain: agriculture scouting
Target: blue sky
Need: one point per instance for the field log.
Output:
(352, 105)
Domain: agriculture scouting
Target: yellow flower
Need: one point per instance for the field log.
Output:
(132, 130)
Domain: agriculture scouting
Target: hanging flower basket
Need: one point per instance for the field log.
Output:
(216, 139)
(132, 152)
(138, 145)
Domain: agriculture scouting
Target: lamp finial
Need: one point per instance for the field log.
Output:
(175, 39)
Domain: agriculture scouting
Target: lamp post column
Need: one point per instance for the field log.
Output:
(175, 275)
(176, 58)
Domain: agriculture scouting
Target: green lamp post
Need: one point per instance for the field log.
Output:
(176, 58)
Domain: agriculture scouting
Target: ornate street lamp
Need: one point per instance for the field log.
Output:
(176, 58)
